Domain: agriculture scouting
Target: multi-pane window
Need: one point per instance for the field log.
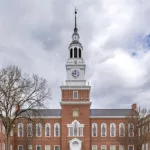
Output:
(56, 147)
(20, 147)
(47, 129)
(56, 129)
(38, 147)
(38, 129)
(112, 129)
(30, 147)
(121, 147)
(75, 129)
(121, 129)
(10, 147)
(20, 130)
(47, 147)
(103, 129)
(75, 94)
(94, 147)
(112, 147)
(94, 129)
(103, 147)
(29, 129)
(81, 131)
(146, 146)
(142, 146)
(130, 147)
(11, 133)
(3, 146)
(130, 129)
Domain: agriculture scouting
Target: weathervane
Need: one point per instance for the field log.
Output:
(75, 11)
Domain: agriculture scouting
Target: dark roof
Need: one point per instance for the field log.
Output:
(75, 42)
(112, 112)
(93, 112)
(43, 112)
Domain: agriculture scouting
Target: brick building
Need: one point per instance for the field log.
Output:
(75, 126)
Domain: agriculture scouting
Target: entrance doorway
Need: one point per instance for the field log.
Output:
(75, 144)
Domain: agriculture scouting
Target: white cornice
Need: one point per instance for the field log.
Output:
(75, 103)
(107, 116)
(75, 87)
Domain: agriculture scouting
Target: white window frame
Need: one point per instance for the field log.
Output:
(20, 124)
(74, 94)
(40, 147)
(48, 124)
(96, 129)
(103, 146)
(130, 145)
(48, 146)
(19, 146)
(11, 147)
(121, 147)
(94, 147)
(105, 129)
(114, 129)
(56, 145)
(123, 129)
(58, 130)
(40, 129)
(71, 129)
(30, 147)
(129, 135)
(146, 146)
(112, 146)
(3, 146)
(27, 129)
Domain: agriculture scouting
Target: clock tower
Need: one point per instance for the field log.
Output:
(75, 98)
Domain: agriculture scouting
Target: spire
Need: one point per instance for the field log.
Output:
(75, 12)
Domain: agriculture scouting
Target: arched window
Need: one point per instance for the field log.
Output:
(103, 129)
(75, 143)
(29, 129)
(121, 129)
(47, 129)
(75, 52)
(130, 129)
(94, 129)
(38, 129)
(75, 129)
(71, 53)
(20, 130)
(80, 53)
(112, 129)
(56, 129)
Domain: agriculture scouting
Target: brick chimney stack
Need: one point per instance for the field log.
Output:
(17, 107)
(134, 107)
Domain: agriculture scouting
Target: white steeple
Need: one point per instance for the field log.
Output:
(75, 66)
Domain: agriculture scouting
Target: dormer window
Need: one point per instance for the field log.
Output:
(75, 94)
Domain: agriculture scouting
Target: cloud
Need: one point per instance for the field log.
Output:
(35, 36)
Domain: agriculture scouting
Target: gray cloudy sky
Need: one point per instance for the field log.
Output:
(35, 34)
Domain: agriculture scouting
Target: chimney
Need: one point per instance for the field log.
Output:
(134, 106)
(17, 107)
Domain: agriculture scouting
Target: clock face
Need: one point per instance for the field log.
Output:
(75, 73)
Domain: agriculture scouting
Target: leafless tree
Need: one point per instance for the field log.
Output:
(20, 94)
(137, 129)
